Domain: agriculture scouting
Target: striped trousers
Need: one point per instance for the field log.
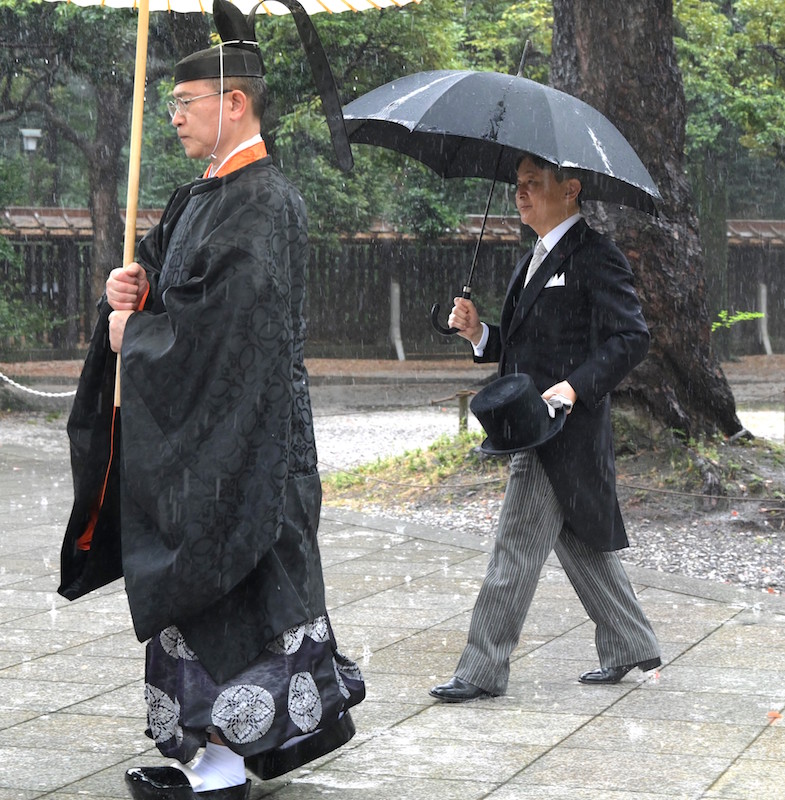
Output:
(530, 527)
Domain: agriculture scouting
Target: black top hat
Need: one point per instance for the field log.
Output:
(514, 415)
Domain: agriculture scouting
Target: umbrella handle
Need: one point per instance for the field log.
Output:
(444, 331)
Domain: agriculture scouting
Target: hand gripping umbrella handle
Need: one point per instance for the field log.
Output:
(466, 294)
(467, 289)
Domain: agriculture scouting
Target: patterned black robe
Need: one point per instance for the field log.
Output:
(212, 500)
(220, 495)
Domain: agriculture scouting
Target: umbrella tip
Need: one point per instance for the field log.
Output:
(526, 48)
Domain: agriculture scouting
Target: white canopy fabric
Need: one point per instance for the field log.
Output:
(270, 7)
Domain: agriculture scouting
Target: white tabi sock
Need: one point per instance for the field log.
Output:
(218, 768)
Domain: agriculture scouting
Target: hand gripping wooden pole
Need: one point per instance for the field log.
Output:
(135, 152)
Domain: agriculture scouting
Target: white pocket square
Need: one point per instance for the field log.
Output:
(556, 280)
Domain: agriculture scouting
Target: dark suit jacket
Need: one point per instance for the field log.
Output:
(578, 320)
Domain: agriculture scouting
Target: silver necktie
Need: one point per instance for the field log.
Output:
(540, 252)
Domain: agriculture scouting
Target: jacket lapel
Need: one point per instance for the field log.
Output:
(519, 299)
(513, 295)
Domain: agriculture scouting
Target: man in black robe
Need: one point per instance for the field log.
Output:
(220, 495)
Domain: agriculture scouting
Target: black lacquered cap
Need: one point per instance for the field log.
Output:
(238, 51)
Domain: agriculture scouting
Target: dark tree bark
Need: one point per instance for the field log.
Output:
(104, 155)
(619, 57)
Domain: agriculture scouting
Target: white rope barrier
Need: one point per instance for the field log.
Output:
(35, 391)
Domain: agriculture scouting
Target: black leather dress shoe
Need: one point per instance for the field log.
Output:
(458, 691)
(615, 674)
(169, 783)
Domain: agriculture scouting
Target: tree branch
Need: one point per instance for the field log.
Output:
(12, 111)
(61, 126)
(777, 56)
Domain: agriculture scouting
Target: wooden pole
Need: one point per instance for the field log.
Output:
(395, 319)
(135, 153)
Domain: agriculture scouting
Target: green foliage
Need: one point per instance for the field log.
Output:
(26, 178)
(726, 320)
(367, 50)
(9, 256)
(423, 210)
(449, 466)
(760, 104)
(12, 180)
(708, 60)
(49, 80)
(170, 167)
(497, 32)
(731, 56)
(104, 57)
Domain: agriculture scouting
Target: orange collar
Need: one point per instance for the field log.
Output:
(241, 159)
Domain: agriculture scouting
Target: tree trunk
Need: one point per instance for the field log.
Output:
(190, 32)
(619, 57)
(104, 160)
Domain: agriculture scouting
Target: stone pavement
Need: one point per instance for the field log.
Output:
(708, 724)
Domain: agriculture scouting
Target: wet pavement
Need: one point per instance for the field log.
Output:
(708, 724)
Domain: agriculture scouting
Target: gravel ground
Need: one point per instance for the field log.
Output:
(732, 545)
(346, 440)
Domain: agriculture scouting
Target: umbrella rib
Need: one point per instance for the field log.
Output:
(600, 149)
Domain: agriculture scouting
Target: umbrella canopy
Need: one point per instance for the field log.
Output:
(266, 7)
(477, 124)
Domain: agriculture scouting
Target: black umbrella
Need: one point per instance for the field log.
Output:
(477, 124)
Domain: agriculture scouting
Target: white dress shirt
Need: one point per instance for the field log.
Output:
(550, 240)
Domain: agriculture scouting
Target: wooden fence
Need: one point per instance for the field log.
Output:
(55, 282)
(349, 293)
(756, 282)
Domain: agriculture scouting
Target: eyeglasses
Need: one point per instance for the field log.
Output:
(179, 105)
